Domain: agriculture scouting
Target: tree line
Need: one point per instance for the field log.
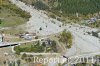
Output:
(78, 6)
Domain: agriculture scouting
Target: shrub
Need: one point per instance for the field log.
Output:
(24, 56)
(40, 5)
(53, 16)
(40, 28)
(66, 37)
(95, 34)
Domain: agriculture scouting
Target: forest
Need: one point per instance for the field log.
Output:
(78, 6)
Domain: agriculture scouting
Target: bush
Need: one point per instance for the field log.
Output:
(40, 5)
(36, 37)
(53, 16)
(95, 34)
(66, 37)
(24, 56)
(17, 49)
(40, 28)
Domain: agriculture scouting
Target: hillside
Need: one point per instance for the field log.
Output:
(80, 6)
(11, 15)
(83, 7)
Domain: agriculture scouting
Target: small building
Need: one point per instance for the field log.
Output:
(92, 20)
(28, 37)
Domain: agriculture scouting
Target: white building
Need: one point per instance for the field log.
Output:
(28, 36)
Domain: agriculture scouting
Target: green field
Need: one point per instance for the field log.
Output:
(36, 47)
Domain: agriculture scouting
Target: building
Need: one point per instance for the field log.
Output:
(92, 20)
(28, 37)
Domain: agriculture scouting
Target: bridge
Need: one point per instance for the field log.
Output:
(6, 44)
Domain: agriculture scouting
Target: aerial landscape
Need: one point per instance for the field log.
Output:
(49, 32)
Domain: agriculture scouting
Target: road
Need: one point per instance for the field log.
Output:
(4, 44)
(40, 53)
(83, 43)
